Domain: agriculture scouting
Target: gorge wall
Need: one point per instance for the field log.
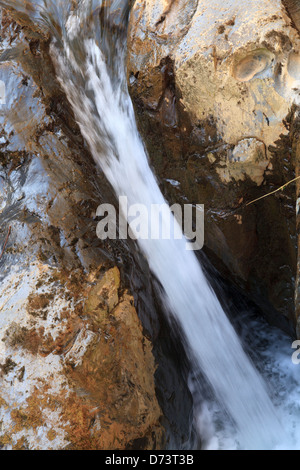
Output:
(86, 359)
(77, 368)
(214, 85)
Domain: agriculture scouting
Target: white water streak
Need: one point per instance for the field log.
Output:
(105, 115)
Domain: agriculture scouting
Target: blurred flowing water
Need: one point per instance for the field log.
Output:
(89, 53)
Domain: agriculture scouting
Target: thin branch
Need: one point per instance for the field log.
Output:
(5, 243)
(273, 192)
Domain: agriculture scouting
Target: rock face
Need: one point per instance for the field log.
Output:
(76, 370)
(213, 84)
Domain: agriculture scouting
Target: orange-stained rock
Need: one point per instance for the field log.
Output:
(76, 371)
(88, 373)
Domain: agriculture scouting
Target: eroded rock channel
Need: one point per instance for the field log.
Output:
(89, 358)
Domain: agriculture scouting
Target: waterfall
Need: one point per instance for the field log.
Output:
(91, 67)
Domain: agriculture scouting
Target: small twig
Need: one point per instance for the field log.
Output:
(5, 243)
(273, 192)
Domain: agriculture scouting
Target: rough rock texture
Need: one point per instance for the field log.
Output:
(76, 370)
(213, 84)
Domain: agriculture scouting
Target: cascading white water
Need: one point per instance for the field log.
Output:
(96, 88)
(106, 117)
(271, 351)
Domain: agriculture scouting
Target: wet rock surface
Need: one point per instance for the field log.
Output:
(213, 95)
(77, 368)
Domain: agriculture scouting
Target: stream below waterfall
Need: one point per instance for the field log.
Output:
(271, 352)
(252, 379)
